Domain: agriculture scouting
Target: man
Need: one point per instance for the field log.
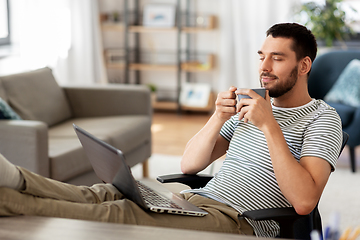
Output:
(280, 152)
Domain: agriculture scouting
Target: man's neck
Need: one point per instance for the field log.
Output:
(291, 100)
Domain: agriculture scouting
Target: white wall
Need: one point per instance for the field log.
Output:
(250, 19)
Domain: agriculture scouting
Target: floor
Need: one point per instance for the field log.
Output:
(172, 131)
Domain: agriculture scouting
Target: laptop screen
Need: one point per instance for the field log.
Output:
(110, 165)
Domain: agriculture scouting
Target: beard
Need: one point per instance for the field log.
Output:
(281, 88)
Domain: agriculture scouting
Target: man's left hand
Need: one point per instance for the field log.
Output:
(255, 109)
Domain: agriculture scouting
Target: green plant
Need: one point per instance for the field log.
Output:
(116, 16)
(327, 22)
(152, 87)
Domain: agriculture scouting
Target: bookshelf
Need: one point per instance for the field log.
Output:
(184, 61)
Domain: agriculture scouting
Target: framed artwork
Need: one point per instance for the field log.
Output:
(195, 94)
(159, 15)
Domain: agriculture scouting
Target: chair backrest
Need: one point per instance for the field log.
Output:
(326, 69)
(345, 139)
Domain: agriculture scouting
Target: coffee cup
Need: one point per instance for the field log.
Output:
(260, 91)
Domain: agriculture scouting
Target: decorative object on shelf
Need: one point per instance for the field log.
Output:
(115, 16)
(153, 90)
(326, 21)
(104, 17)
(159, 15)
(200, 63)
(116, 55)
(195, 94)
(198, 22)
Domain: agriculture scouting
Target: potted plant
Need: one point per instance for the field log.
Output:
(153, 89)
(327, 21)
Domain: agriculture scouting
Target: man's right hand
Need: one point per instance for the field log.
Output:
(226, 104)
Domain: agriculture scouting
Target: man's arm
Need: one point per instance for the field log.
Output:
(302, 184)
(207, 145)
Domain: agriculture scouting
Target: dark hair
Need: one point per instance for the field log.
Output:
(304, 42)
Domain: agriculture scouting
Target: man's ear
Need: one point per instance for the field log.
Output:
(305, 65)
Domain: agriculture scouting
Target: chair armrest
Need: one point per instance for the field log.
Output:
(272, 214)
(292, 225)
(108, 100)
(25, 144)
(193, 181)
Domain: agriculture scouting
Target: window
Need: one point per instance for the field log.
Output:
(4, 22)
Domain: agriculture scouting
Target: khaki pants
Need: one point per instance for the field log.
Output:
(103, 202)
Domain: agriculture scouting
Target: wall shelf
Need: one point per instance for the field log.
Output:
(132, 57)
(152, 67)
(115, 65)
(112, 26)
(142, 29)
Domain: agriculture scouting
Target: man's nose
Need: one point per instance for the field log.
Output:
(265, 65)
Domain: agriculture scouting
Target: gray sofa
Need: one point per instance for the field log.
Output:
(45, 142)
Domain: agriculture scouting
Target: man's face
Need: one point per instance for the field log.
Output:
(278, 67)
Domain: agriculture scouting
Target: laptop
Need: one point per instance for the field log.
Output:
(110, 166)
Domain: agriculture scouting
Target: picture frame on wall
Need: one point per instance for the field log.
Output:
(195, 94)
(159, 15)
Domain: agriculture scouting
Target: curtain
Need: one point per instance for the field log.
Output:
(242, 30)
(84, 63)
(61, 34)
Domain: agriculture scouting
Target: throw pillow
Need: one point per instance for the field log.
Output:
(346, 89)
(6, 112)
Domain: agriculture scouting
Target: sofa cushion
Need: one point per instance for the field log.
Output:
(36, 95)
(345, 112)
(123, 132)
(6, 112)
(346, 89)
(127, 133)
(67, 158)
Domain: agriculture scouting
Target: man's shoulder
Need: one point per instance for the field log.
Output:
(323, 107)
(325, 113)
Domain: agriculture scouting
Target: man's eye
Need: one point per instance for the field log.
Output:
(278, 59)
(261, 58)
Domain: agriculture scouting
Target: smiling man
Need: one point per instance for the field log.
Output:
(280, 151)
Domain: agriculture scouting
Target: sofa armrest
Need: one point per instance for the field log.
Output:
(25, 143)
(109, 100)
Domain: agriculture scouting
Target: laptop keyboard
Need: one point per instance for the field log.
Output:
(153, 198)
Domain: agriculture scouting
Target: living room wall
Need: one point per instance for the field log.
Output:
(240, 31)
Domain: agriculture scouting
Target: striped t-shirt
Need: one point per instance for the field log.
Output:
(246, 180)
